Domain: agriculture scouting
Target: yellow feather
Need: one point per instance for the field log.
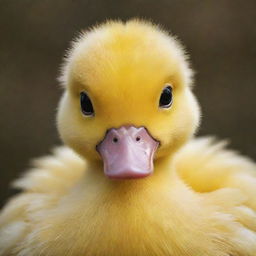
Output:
(200, 200)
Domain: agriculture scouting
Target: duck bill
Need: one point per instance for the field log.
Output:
(128, 152)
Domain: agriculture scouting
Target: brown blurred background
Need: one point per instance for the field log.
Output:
(220, 36)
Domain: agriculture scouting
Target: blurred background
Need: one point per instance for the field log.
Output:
(219, 35)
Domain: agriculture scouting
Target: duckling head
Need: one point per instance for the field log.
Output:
(127, 97)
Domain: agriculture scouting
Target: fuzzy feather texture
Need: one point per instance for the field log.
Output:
(200, 200)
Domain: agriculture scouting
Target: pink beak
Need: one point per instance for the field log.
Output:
(127, 152)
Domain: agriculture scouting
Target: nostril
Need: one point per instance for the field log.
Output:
(115, 139)
(138, 138)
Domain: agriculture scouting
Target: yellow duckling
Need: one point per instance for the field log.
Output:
(142, 186)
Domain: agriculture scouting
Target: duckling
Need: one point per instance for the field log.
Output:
(132, 179)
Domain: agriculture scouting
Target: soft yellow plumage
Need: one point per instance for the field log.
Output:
(200, 200)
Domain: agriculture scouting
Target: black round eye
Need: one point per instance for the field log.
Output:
(166, 97)
(86, 104)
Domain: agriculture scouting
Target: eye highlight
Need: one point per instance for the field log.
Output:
(86, 104)
(165, 100)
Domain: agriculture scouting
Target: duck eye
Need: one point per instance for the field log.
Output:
(166, 97)
(86, 104)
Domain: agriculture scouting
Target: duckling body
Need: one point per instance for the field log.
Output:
(170, 214)
(200, 199)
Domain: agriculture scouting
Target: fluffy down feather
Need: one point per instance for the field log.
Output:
(221, 184)
(200, 200)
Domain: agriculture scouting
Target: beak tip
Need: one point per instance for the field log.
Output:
(128, 175)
